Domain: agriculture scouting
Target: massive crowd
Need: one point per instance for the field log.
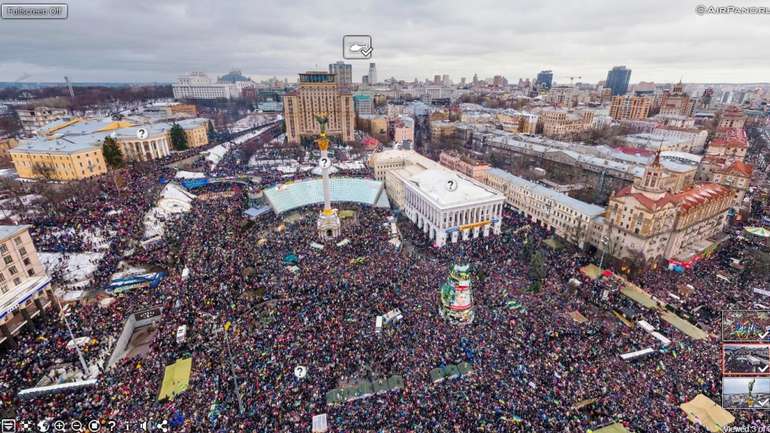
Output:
(532, 366)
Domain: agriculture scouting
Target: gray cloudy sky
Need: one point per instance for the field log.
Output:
(157, 40)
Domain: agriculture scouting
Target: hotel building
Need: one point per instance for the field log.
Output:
(318, 93)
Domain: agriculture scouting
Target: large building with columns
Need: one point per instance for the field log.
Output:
(72, 149)
(25, 289)
(447, 206)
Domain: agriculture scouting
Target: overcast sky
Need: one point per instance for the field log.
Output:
(157, 40)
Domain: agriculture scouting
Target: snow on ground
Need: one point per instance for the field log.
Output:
(128, 270)
(351, 165)
(173, 200)
(181, 174)
(26, 200)
(216, 153)
(77, 268)
(97, 238)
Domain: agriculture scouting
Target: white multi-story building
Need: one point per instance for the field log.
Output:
(447, 206)
(570, 218)
(37, 117)
(197, 85)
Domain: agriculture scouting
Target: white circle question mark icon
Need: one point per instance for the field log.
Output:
(451, 185)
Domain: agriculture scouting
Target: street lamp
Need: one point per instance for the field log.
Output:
(72, 337)
(604, 241)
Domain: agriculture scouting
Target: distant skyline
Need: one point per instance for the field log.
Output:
(149, 41)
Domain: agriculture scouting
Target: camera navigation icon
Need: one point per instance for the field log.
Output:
(357, 47)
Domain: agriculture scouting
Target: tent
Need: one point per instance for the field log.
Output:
(176, 379)
(290, 259)
(591, 271)
(759, 231)
(703, 411)
(577, 317)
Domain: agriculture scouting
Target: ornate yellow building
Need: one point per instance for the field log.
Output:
(72, 150)
(650, 221)
(58, 159)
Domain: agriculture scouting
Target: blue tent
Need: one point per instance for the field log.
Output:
(195, 183)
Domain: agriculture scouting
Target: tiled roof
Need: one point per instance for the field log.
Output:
(645, 201)
(740, 167)
(700, 194)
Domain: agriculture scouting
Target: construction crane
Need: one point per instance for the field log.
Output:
(572, 78)
(69, 86)
(23, 77)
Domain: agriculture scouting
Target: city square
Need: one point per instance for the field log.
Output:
(305, 251)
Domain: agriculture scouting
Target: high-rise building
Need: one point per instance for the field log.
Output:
(318, 93)
(544, 79)
(343, 71)
(475, 79)
(437, 79)
(445, 80)
(677, 102)
(372, 73)
(617, 80)
(630, 107)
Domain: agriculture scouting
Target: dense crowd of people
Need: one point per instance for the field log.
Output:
(252, 318)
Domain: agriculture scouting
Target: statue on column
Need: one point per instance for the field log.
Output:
(328, 220)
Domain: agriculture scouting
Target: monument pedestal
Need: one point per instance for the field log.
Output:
(328, 224)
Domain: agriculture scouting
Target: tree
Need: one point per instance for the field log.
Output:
(112, 153)
(43, 171)
(178, 137)
(212, 133)
(537, 269)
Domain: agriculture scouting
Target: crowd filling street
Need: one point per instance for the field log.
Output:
(252, 319)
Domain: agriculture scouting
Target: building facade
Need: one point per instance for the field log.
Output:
(463, 164)
(57, 160)
(318, 93)
(403, 130)
(363, 105)
(647, 222)
(25, 289)
(571, 219)
(732, 117)
(419, 187)
(677, 102)
(630, 107)
(373, 73)
(560, 123)
(6, 143)
(618, 79)
(343, 72)
(197, 85)
(33, 118)
(544, 79)
(736, 176)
